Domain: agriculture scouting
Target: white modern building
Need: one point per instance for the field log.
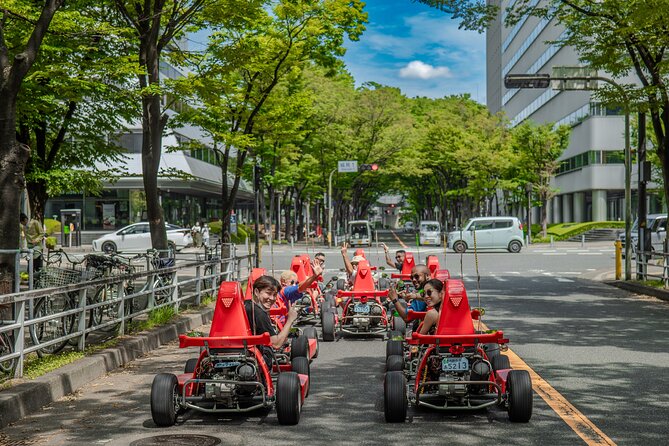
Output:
(590, 179)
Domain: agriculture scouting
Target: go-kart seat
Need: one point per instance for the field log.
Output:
(433, 265)
(442, 274)
(255, 273)
(408, 264)
(455, 318)
(230, 315)
(363, 278)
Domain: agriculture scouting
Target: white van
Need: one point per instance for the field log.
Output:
(359, 233)
(491, 233)
(429, 233)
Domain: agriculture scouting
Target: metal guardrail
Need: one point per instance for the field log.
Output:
(192, 277)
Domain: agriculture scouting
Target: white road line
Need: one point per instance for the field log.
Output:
(547, 274)
(499, 279)
(571, 273)
(590, 253)
(554, 254)
(512, 272)
(562, 279)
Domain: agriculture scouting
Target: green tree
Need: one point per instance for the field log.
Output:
(539, 147)
(74, 98)
(247, 59)
(23, 25)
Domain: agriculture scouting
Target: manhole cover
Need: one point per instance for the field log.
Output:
(178, 440)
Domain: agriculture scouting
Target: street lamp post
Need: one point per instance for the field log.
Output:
(544, 81)
(528, 189)
(330, 208)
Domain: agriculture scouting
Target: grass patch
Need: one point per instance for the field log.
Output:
(564, 231)
(34, 366)
(158, 316)
(655, 283)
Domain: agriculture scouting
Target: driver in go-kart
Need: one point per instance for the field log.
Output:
(265, 292)
(420, 274)
(400, 255)
(434, 295)
(291, 291)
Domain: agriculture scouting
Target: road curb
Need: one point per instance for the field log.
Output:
(640, 289)
(29, 397)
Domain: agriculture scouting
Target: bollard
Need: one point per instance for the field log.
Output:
(582, 240)
(291, 242)
(619, 259)
(552, 245)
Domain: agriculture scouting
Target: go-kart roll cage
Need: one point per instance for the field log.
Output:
(374, 294)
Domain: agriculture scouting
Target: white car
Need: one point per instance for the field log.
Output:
(137, 238)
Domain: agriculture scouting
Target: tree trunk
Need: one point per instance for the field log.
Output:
(544, 217)
(153, 123)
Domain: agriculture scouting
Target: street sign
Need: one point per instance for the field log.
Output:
(581, 81)
(527, 80)
(347, 166)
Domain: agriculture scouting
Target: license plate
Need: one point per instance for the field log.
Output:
(454, 364)
(361, 308)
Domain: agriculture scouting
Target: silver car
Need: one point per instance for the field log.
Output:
(491, 233)
(137, 238)
(657, 223)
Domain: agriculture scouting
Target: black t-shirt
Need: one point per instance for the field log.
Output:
(259, 319)
(398, 265)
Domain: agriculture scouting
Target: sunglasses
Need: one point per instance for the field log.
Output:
(398, 257)
(429, 292)
(416, 276)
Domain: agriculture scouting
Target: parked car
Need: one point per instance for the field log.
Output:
(137, 238)
(657, 223)
(429, 232)
(409, 227)
(491, 232)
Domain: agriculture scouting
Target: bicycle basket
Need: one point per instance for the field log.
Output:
(163, 262)
(50, 277)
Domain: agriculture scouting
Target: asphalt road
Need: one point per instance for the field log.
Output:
(603, 349)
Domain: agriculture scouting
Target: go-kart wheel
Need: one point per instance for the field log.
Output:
(394, 348)
(399, 325)
(459, 247)
(301, 366)
(190, 365)
(519, 396)
(329, 302)
(395, 397)
(491, 350)
(328, 322)
(299, 346)
(395, 336)
(288, 398)
(164, 399)
(500, 362)
(394, 363)
(341, 284)
(311, 333)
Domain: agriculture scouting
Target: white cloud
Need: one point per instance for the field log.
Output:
(421, 70)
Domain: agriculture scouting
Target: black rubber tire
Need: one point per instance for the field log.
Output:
(312, 333)
(109, 247)
(44, 332)
(395, 336)
(288, 398)
(395, 402)
(6, 347)
(190, 365)
(399, 325)
(459, 247)
(515, 246)
(329, 302)
(394, 363)
(300, 365)
(163, 396)
(500, 362)
(394, 348)
(519, 396)
(491, 351)
(299, 346)
(328, 322)
(341, 284)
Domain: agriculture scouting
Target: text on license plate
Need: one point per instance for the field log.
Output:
(454, 364)
(361, 308)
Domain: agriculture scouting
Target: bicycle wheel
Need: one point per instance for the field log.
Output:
(106, 313)
(162, 295)
(6, 347)
(53, 328)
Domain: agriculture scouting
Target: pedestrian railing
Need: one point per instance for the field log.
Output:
(46, 320)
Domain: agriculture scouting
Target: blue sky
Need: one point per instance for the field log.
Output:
(418, 49)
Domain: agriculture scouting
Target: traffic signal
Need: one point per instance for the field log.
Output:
(372, 167)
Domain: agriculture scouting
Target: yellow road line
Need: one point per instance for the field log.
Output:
(579, 423)
(399, 240)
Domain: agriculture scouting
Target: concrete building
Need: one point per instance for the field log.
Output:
(590, 178)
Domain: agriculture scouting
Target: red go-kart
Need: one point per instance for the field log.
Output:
(456, 368)
(230, 374)
(362, 310)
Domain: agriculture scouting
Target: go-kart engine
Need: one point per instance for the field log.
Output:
(227, 370)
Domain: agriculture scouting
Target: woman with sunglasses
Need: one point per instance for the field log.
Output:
(434, 295)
